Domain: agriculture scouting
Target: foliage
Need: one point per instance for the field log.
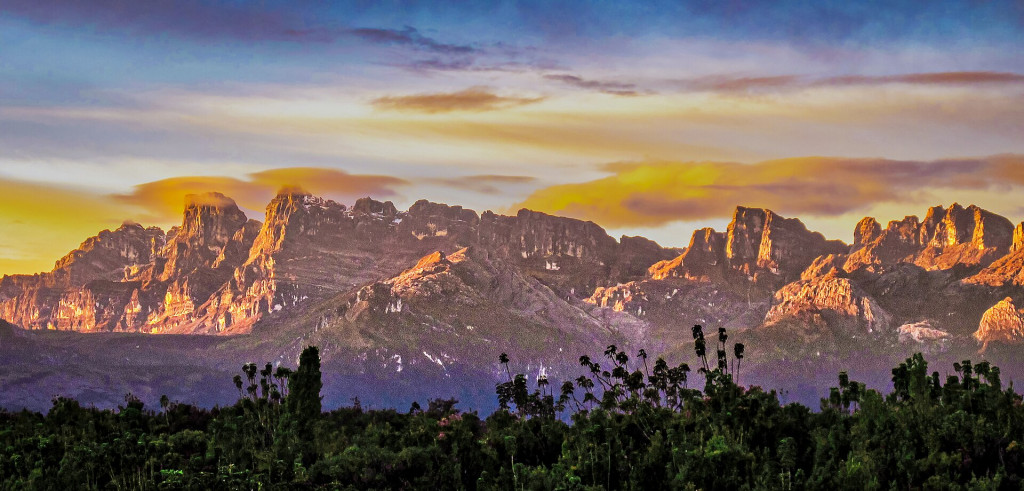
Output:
(629, 423)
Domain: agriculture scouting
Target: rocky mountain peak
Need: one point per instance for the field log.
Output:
(867, 230)
(210, 218)
(744, 233)
(760, 239)
(209, 222)
(973, 225)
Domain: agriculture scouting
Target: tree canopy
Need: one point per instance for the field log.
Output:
(627, 423)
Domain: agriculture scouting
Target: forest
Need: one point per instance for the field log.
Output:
(628, 423)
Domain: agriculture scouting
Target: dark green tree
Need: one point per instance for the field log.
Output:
(304, 400)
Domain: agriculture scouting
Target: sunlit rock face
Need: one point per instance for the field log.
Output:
(1002, 323)
(825, 294)
(970, 237)
(759, 239)
(1007, 271)
(222, 273)
(758, 245)
(209, 223)
(1018, 238)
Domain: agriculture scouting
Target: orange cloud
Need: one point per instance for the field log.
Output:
(471, 99)
(163, 200)
(658, 193)
(725, 83)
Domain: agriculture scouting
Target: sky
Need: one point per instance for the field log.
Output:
(652, 118)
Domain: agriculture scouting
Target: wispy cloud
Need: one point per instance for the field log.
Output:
(471, 99)
(410, 36)
(607, 87)
(658, 193)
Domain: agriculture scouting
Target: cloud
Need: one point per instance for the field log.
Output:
(163, 200)
(658, 193)
(614, 88)
(930, 78)
(788, 82)
(409, 36)
(436, 64)
(741, 84)
(471, 99)
(484, 184)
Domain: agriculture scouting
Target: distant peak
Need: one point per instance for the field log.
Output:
(370, 206)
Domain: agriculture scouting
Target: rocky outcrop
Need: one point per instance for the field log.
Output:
(824, 295)
(572, 256)
(536, 236)
(1002, 323)
(635, 256)
(1007, 271)
(441, 223)
(867, 230)
(922, 333)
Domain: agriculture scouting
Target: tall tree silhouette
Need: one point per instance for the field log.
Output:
(304, 400)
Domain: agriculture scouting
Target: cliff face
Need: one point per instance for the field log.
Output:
(1007, 271)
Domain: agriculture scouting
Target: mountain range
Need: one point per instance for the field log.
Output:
(419, 303)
